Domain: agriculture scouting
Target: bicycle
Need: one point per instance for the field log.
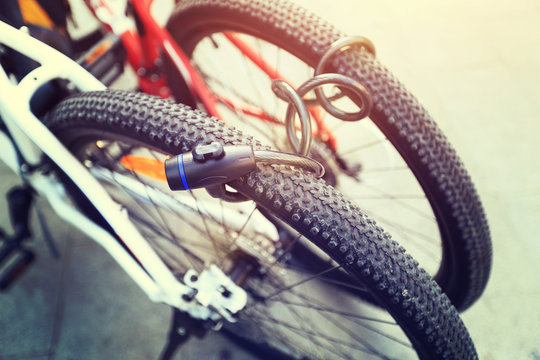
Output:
(441, 219)
(44, 159)
(306, 204)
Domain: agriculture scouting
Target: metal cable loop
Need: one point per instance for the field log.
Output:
(352, 88)
(276, 157)
(362, 98)
(341, 45)
(273, 158)
(287, 93)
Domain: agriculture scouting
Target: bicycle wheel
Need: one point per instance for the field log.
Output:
(397, 165)
(290, 308)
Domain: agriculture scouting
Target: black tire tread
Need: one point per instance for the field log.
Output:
(306, 203)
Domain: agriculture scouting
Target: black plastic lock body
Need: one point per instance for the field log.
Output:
(209, 165)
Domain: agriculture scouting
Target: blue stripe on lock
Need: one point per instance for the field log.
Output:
(182, 172)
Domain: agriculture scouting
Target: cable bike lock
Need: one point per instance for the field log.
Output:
(210, 165)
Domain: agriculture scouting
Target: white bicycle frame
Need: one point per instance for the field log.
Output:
(29, 140)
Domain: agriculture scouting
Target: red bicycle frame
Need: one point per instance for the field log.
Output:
(145, 48)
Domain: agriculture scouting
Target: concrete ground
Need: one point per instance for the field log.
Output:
(474, 65)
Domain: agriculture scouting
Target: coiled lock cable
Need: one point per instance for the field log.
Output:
(211, 165)
(348, 87)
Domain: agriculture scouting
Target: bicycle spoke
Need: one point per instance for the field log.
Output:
(228, 89)
(395, 200)
(239, 110)
(338, 312)
(385, 169)
(173, 238)
(302, 332)
(162, 229)
(163, 226)
(305, 325)
(243, 227)
(382, 197)
(340, 283)
(209, 233)
(356, 319)
(426, 239)
(303, 281)
(285, 252)
(362, 147)
(353, 318)
(181, 245)
(256, 91)
(116, 160)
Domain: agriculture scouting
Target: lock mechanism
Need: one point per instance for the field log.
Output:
(209, 165)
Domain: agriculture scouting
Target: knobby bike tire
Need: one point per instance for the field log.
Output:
(305, 203)
(466, 242)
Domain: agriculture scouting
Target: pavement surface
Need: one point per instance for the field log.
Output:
(474, 65)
